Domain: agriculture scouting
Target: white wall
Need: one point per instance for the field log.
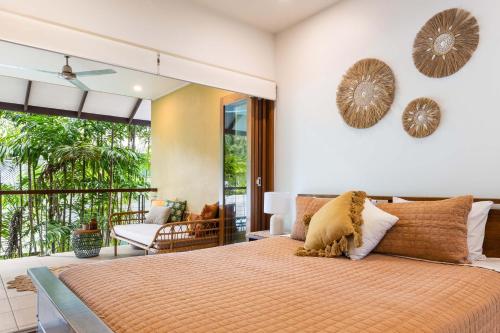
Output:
(122, 32)
(318, 153)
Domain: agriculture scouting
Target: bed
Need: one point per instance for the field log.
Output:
(263, 287)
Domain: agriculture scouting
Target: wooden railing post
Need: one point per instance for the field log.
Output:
(222, 228)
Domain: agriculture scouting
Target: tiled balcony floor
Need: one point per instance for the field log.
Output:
(18, 309)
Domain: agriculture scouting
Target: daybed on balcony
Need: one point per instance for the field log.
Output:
(186, 235)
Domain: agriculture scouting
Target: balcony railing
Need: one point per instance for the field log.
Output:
(38, 222)
(238, 196)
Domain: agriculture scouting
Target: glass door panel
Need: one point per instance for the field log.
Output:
(236, 167)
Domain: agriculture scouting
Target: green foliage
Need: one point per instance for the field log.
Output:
(235, 160)
(63, 153)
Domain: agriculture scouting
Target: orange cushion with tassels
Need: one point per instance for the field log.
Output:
(331, 226)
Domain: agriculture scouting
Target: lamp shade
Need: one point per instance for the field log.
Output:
(276, 202)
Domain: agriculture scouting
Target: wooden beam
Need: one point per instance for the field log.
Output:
(134, 111)
(27, 97)
(82, 103)
(71, 114)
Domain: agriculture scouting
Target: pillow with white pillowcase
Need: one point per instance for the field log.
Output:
(376, 222)
(476, 225)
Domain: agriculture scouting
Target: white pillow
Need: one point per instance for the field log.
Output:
(376, 222)
(158, 215)
(476, 225)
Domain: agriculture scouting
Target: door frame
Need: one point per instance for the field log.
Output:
(230, 99)
(262, 159)
(260, 163)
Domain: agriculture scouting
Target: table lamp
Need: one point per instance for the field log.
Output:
(276, 203)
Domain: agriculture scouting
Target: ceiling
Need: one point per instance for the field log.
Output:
(112, 95)
(120, 83)
(54, 96)
(269, 15)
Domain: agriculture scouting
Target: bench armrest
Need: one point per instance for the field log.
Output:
(184, 230)
(134, 217)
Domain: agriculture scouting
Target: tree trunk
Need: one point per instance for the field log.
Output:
(70, 214)
(51, 206)
(30, 208)
(20, 248)
(1, 212)
(37, 214)
(110, 197)
(82, 208)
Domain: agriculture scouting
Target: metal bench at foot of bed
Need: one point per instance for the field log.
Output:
(59, 309)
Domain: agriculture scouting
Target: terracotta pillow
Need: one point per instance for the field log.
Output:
(210, 212)
(305, 207)
(433, 230)
(330, 228)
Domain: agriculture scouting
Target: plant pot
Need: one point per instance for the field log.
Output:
(86, 243)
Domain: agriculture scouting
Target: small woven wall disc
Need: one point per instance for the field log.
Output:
(365, 93)
(446, 43)
(421, 117)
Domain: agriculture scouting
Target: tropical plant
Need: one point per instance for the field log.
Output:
(57, 153)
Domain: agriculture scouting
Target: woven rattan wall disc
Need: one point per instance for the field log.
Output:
(421, 117)
(365, 93)
(445, 43)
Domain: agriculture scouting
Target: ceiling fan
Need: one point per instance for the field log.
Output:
(67, 73)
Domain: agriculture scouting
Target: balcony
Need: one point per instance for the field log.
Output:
(36, 223)
(40, 222)
(237, 197)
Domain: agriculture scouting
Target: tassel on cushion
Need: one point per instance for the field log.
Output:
(329, 229)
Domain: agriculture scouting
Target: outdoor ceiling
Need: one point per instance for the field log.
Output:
(269, 15)
(110, 95)
(121, 83)
(52, 96)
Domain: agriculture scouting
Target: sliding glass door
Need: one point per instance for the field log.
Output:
(248, 163)
(236, 162)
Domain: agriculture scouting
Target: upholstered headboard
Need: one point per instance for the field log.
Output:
(491, 246)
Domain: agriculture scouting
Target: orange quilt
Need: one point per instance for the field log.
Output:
(262, 286)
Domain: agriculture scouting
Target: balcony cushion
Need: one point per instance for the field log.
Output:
(178, 209)
(140, 233)
(210, 211)
(158, 215)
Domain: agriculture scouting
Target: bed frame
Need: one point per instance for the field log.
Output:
(60, 310)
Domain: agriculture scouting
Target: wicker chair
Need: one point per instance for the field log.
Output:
(170, 237)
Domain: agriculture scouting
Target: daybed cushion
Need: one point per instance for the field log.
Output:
(141, 233)
(158, 215)
(433, 230)
(476, 227)
(262, 287)
(210, 211)
(178, 209)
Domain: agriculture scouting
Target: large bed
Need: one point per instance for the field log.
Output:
(263, 287)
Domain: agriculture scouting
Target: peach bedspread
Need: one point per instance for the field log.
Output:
(262, 286)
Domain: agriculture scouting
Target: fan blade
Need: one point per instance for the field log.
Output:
(96, 72)
(79, 84)
(27, 69)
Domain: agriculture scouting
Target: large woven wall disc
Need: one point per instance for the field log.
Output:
(366, 93)
(445, 43)
(421, 117)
